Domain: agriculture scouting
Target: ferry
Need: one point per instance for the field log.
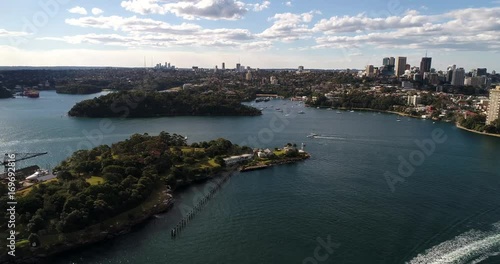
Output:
(32, 93)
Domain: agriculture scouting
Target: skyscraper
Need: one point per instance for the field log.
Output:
(494, 105)
(386, 61)
(223, 66)
(458, 77)
(238, 67)
(479, 72)
(392, 61)
(425, 65)
(400, 66)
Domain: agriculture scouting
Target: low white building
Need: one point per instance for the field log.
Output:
(237, 159)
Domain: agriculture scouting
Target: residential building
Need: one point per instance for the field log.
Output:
(458, 77)
(493, 106)
(413, 100)
(369, 71)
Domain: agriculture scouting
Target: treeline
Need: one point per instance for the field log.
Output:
(130, 170)
(478, 123)
(4, 93)
(78, 89)
(152, 104)
(358, 100)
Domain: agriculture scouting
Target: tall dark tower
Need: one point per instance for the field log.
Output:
(425, 64)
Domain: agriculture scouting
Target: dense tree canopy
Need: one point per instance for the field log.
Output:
(151, 104)
(78, 89)
(127, 171)
(359, 99)
(4, 93)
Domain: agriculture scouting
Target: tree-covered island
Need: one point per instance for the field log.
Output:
(154, 104)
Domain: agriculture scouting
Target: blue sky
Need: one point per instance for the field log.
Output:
(262, 34)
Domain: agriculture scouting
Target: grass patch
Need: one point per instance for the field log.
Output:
(279, 152)
(25, 192)
(95, 180)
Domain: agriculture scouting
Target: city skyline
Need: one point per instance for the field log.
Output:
(260, 34)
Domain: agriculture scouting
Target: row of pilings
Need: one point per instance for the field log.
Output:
(189, 216)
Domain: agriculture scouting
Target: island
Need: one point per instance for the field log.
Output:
(129, 104)
(102, 192)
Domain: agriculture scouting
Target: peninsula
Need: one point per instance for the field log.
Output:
(103, 192)
(154, 104)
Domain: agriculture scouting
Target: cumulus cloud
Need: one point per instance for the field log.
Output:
(78, 10)
(473, 29)
(190, 9)
(289, 27)
(145, 32)
(259, 7)
(465, 29)
(97, 11)
(361, 22)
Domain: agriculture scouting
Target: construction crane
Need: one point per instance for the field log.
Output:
(20, 157)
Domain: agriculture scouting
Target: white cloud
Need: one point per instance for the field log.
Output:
(189, 9)
(289, 3)
(97, 11)
(259, 7)
(78, 10)
(6, 33)
(289, 27)
(361, 22)
(473, 29)
(145, 32)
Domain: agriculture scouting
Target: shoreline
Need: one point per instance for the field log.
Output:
(42, 255)
(476, 132)
(275, 163)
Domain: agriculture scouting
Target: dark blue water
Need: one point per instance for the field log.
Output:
(445, 211)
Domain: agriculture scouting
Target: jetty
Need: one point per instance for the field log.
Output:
(197, 207)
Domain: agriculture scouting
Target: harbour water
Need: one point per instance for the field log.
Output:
(447, 208)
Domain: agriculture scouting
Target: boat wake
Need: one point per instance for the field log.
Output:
(470, 247)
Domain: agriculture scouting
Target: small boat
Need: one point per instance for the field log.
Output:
(312, 135)
(329, 109)
(301, 112)
(352, 111)
(398, 120)
(338, 112)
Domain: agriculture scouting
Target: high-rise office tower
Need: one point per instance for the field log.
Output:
(400, 66)
(386, 61)
(223, 66)
(392, 61)
(425, 64)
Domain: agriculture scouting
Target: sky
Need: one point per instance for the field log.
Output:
(319, 34)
